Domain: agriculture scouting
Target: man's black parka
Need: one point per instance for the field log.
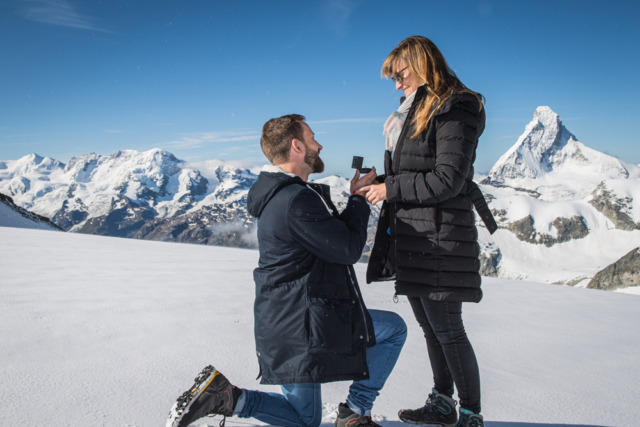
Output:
(427, 238)
(311, 324)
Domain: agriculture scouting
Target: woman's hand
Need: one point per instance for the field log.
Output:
(357, 183)
(374, 193)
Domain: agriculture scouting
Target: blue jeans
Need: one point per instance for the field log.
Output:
(300, 405)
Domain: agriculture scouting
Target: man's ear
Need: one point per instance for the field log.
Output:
(297, 146)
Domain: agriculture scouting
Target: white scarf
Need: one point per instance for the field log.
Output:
(276, 169)
(393, 125)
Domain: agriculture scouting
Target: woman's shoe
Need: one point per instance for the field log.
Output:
(210, 394)
(439, 410)
(469, 419)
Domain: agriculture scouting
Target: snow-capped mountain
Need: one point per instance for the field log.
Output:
(565, 210)
(117, 195)
(547, 151)
(150, 195)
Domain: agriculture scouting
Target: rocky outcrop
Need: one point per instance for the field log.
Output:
(124, 219)
(494, 182)
(570, 282)
(220, 225)
(489, 262)
(73, 212)
(615, 209)
(567, 229)
(621, 274)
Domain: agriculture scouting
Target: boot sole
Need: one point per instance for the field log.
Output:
(184, 402)
(427, 424)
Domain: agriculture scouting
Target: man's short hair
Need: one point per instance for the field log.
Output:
(277, 135)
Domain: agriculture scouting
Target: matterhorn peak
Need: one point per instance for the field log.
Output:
(547, 147)
(546, 114)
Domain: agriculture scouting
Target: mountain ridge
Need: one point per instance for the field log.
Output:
(559, 204)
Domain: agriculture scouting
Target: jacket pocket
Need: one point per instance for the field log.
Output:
(330, 325)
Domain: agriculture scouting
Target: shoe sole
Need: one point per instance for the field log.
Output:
(184, 402)
(427, 424)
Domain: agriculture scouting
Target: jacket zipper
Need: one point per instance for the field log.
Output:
(364, 317)
(396, 153)
(396, 161)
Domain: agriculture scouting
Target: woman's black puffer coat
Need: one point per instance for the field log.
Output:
(426, 237)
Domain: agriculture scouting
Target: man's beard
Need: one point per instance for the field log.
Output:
(313, 160)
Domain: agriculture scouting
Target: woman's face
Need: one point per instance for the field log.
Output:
(406, 81)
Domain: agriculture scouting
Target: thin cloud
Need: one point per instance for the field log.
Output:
(60, 13)
(337, 13)
(22, 135)
(360, 120)
(507, 137)
(199, 139)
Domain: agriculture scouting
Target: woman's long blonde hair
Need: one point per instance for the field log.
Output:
(427, 65)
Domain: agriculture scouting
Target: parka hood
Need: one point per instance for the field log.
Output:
(467, 100)
(269, 183)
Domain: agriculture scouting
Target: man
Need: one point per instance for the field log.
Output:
(311, 324)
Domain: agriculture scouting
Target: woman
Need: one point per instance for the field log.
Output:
(426, 238)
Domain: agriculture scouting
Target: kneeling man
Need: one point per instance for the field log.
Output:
(311, 323)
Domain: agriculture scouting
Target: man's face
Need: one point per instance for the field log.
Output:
(312, 157)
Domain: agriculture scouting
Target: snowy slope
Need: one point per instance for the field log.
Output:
(12, 215)
(108, 332)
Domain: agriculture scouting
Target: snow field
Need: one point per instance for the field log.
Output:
(100, 331)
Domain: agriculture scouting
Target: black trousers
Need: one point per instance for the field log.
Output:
(450, 353)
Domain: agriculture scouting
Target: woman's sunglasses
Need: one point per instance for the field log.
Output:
(397, 77)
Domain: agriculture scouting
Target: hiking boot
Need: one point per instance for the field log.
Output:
(346, 417)
(469, 419)
(211, 394)
(439, 410)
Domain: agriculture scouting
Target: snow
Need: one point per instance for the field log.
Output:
(100, 331)
(10, 218)
(563, 261)
(340, 187)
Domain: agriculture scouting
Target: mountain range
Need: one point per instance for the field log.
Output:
(565, 211)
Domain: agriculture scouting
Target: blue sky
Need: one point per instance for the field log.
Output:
(199, 78)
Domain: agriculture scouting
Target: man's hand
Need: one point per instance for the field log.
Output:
(374, 193)
(357, 182)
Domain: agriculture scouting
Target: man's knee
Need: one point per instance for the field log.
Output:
(401, 326)
(397, 328)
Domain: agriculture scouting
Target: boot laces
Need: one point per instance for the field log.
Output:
(469, 420)
(430, 404)
(222, 421)
(371, 423)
